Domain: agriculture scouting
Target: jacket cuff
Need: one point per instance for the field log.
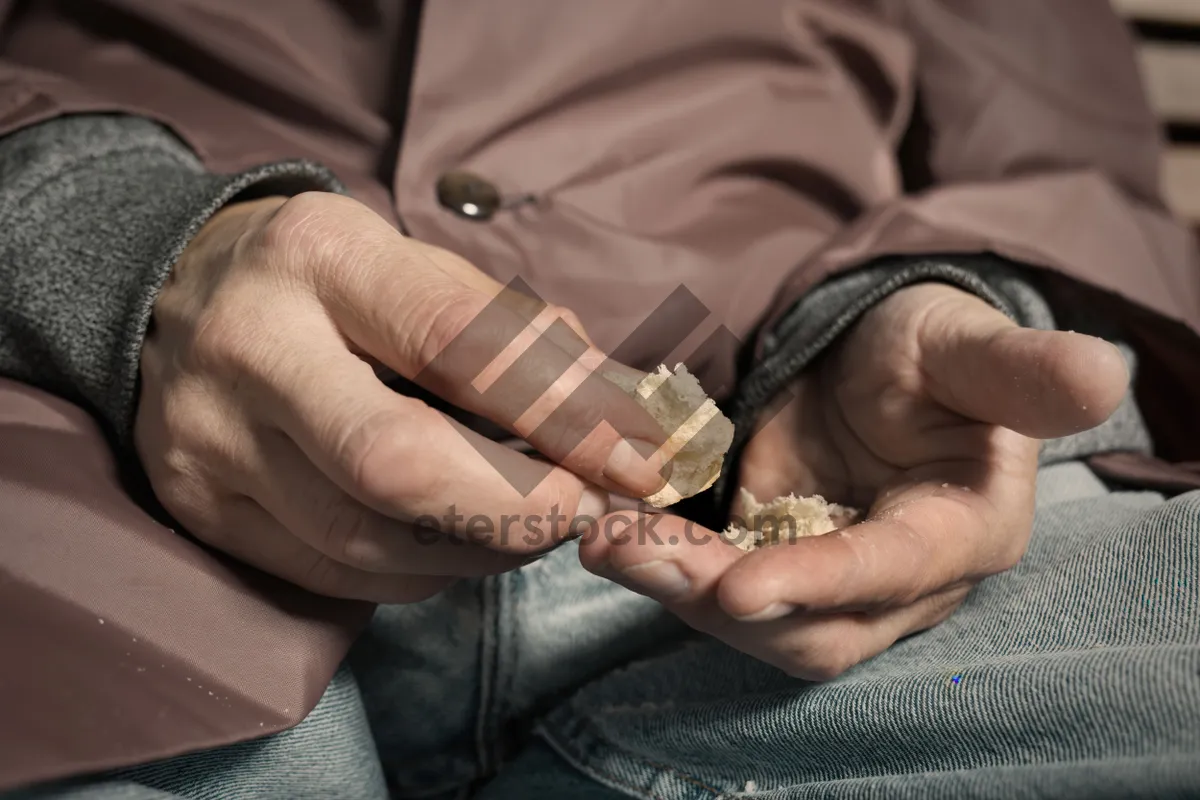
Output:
(96, 210)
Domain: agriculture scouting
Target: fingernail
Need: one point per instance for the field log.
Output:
(593, 504)
(633, 470)
(659, 578)
(773, 611)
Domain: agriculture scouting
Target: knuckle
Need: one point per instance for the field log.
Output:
(552, 499)
(573, 322)
(225, 341)
(306, 232)
(324, 576)
(1003, 538)
(739, 598)
(439, 314)
(183, 493)
(580, 443)
(943, 607)
(181, 418)
(299, 220)
(379, 458)
(182, 462)
(928, 564)
(322, 236)
(346, 534)
(568, 316)
(906, 595)
(176, 463)
(197, 434)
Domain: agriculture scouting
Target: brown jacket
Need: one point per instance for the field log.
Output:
(744, 149)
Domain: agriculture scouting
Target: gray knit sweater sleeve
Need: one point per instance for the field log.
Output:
(826, 312)
(94, 212)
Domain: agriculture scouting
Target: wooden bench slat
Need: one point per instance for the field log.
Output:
(1183, 12)
(1172, 75)
(1181, 181)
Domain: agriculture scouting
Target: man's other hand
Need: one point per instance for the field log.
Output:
(926, 414)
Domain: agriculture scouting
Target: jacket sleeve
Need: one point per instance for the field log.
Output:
(1031, 141)
(97, 209)
(104, 176)
(113, 153)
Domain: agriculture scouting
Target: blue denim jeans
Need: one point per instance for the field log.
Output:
(1076, 674)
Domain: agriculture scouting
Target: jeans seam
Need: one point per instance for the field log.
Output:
(586, 727)
(508, 652)
(488, 647)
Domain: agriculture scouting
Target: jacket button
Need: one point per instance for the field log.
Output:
(468, 195)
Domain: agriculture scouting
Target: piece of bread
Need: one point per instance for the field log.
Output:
(697, 442)
(698, 433)
(784, 519)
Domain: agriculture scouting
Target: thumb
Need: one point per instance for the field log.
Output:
(1042, 384)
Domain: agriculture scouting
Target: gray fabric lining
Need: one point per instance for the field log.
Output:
(96, 210)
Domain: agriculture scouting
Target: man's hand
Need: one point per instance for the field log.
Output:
(265, 430)
(928, 414)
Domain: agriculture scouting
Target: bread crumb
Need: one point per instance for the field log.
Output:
(785, 519)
